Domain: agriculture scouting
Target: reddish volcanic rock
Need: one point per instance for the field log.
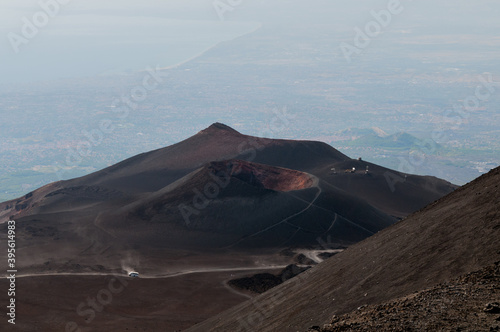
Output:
(265, 176)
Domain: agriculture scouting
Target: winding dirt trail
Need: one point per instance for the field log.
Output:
(314, 254)
(315, 184)
(158, 276)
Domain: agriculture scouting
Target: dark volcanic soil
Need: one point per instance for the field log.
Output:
(262, 282)
(454, 236)
(49, 303)
(468, 303)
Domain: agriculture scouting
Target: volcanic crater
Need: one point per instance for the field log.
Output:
(263, 176)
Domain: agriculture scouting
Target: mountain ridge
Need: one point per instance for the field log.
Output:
(173, 197)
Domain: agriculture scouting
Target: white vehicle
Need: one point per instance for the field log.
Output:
(133, 274)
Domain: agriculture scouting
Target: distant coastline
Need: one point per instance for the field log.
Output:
(179, 64)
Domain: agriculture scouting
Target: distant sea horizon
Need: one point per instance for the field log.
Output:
(120, 49)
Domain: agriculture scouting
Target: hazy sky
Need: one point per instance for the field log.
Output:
(89, 37)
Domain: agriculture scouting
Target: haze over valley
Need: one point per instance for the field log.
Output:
(194, 165)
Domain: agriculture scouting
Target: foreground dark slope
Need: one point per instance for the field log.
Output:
(468, 303)
(456, 235)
